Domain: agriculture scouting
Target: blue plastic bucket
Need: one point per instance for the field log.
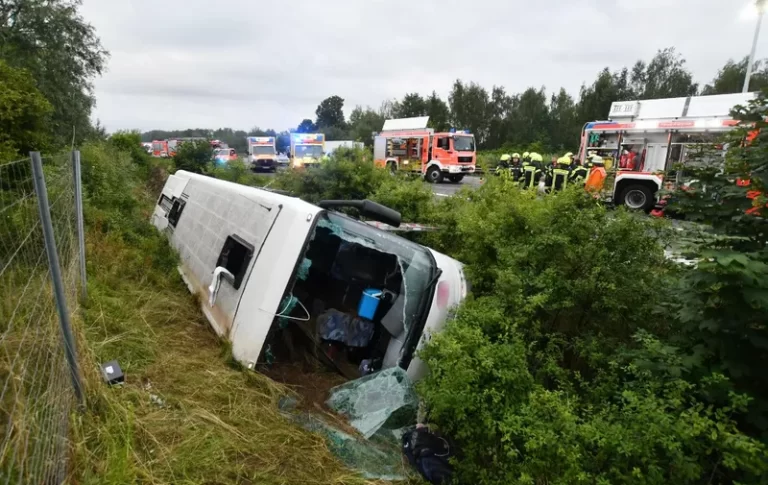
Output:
(369, 303)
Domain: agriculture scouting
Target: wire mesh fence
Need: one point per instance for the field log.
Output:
(36, 383)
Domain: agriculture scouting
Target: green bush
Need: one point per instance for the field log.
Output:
(512, 429)
(130, 142)
(110, 181)
(193, 156)
(236, 171)
(722, 301)
(340, 177)
(351, 175)
(24, 114)
(411, 197)
(560, 369)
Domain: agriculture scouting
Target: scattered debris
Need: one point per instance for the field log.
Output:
(112, 373)
(380, 407)
(384, 399)
(430, 453)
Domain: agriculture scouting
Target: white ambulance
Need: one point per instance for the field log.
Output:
(282, 278)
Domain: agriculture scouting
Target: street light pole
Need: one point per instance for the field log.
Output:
(760, 10)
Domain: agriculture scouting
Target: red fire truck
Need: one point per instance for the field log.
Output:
(407, 144)
(643, 139)
(167, 148)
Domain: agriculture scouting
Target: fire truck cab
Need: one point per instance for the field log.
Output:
(642, 140)
(407, 144)
(160, 148)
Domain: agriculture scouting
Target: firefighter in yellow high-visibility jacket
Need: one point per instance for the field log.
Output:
(532, 170)
(561, 172)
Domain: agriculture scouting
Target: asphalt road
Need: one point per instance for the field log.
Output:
(444, 189)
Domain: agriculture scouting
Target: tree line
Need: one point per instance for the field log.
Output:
(48, 58)
(535, 118)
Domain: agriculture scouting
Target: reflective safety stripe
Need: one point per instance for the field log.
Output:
(579, 174)
(559, 178)
(530, 176)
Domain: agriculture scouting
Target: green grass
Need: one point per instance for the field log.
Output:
(184, 416)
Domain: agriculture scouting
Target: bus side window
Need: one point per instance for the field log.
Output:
(165, 203)
(235, 256)
(175, 213)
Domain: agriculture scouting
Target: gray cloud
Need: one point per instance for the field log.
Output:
(239, 63)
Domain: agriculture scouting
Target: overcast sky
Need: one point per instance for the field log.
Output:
(242, 63)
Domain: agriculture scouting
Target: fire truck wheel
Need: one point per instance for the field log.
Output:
(637, 197)
(455, 178)
(392, 167)
(434, 175)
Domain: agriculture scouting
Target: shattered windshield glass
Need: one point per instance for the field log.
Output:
(380, 407)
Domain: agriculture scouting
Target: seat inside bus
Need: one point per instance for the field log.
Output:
(328, 322)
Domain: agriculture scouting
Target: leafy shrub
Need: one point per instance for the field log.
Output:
(24, 114)
(411, 197)
(351, 175)
(193, 156)
(723, 300)
(130, 142)
(559, 370)
(512, 429)
(236, 171)
(110, 181)
(340, 177)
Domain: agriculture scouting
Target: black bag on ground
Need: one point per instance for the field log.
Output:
(429, 452)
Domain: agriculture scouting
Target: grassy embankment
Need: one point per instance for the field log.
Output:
(185, 413)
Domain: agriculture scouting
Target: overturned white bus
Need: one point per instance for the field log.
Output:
(273, 271)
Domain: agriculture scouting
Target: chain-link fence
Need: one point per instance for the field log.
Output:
(39, 280)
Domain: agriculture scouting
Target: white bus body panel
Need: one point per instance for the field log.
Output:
(277, 227)
(453, 285)
(216, 209)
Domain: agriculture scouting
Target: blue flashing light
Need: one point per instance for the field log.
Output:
(466, 131)
(452, 130)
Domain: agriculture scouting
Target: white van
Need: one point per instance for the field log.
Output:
(271, 269)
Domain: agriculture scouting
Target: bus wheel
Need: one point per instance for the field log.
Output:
(637, 197)
(434, 175)
(455, 178)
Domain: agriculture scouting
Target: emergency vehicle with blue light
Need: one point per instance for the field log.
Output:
(307, 149)
(407, 144)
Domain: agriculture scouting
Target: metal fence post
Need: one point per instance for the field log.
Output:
(80, 224)
(58, 285)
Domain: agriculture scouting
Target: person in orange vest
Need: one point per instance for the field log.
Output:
(596, 178)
